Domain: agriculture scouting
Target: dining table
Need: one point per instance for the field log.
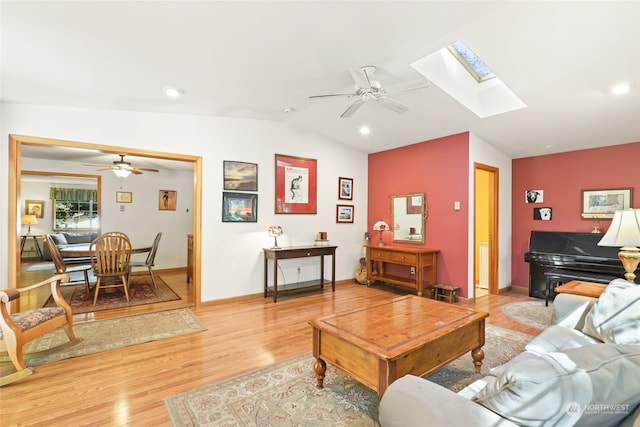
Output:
(84, 250)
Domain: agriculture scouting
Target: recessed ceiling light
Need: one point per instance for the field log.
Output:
(620, 88)
(173, 92)
(364, 130)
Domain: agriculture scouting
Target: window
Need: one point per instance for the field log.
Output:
(75, 209)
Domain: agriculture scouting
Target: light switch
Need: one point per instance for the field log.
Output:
(121, 208)
(456, 206)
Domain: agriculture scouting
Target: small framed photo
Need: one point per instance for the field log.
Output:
(534, 196)
(34, 207)
(542, 214)
(124, 196)
(239, 207)
(345, 188)
(167, 200)
(240, 176)
(344, 213)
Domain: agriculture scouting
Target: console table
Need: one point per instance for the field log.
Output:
(36, 245)
(419, 258)
(292, 252)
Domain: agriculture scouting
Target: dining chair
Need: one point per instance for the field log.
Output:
(149, 262)
(62, 268)
(111, 255)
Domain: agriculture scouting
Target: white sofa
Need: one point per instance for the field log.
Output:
(583, 370)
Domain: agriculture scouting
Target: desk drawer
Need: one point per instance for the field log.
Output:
(403, 258)
(379, 255)
(300, 253)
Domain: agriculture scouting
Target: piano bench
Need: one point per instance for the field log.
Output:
(556, 277)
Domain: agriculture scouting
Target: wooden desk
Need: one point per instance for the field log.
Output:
(408, 335)
(419, 258)
(292, 252)
(585, 289)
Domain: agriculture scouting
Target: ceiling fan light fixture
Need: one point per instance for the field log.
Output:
(121, 173)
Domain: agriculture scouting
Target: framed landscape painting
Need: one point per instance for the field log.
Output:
(239, 207)
(344, 213)
(603, 203)
(240, 176)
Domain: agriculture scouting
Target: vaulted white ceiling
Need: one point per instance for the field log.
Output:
(256, 59)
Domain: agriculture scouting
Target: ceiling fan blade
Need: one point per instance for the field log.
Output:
(392, 104)
(407, 87)
(348, 95)
(147, 169)
(361, 77)
(95, 165)
(352, 109)
(104, 168)
(134, 171)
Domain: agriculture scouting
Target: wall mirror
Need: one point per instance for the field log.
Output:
(407, 211)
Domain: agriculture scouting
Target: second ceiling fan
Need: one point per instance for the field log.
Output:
(369, 91)
(122, 168)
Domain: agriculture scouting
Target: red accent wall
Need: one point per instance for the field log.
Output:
(440, 169)
(563, 177)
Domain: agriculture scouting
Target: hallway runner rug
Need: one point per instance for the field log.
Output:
(110, 334)
(285, 393)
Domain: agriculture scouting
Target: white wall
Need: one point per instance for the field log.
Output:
(141, 219)
(482, 152)
(232, 263)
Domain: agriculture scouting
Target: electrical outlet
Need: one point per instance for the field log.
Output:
(413, 270)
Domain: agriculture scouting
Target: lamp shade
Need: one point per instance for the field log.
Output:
(624, 229)
(275, 231)
(28, 219)
(380, 226)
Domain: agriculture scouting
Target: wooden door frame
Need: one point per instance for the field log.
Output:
(15, 172)
(493, 223)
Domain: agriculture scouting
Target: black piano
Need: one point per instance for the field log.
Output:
(556, 257)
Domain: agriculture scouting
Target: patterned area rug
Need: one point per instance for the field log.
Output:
(109, 334)
(141, 291)
(285, 394)
(530, 313)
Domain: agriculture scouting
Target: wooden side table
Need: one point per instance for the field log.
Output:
(585, 289)
(36, 245)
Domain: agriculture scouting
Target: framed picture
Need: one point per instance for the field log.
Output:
(295, 185)
(414, 203)
(542, 214)
(240, 176)
(603, 203)
(124, 197)
(344, 213)
(534, 196)
(239, 207)
(34, 207)
(167, 200)
(345, 188)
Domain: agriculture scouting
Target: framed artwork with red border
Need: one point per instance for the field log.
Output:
(296, 191)
(414, 203)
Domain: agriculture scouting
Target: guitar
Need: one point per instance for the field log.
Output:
(361, 273)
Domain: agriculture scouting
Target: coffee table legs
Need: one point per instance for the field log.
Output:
(319, 367)
(477, 355)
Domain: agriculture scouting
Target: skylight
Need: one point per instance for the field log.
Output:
(470, 61)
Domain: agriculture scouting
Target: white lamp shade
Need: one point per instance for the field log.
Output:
(624, 229)
(381, 226)
(122, 173)
(28, 219)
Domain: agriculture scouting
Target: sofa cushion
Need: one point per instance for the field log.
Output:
(565, 388)
(558, 338)
(615, 317)
(81, 237)
(59, 239)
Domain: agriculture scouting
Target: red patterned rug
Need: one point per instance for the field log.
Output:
(141, 291)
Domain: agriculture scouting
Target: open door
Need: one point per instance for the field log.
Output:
(485, 230)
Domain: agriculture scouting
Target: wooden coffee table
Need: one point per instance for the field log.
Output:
(408, 335)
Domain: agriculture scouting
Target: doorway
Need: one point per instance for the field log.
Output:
(485, 230)
(15, 172)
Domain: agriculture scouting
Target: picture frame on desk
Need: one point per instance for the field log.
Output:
(296, 191)
(603, 203)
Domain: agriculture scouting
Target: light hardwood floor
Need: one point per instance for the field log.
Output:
(126, 387)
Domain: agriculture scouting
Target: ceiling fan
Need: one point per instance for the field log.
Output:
(122, 168)
(369, 91)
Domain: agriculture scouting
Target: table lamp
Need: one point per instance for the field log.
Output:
(275, 231)
(380, 226)
(624, 232)
(29, 219)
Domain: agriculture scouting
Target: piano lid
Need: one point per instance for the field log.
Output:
(571, 243)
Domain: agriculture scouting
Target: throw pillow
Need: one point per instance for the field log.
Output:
(595, 385)
(59, 239)
(615, 317)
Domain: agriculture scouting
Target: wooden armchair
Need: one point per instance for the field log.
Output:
(18, 329)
